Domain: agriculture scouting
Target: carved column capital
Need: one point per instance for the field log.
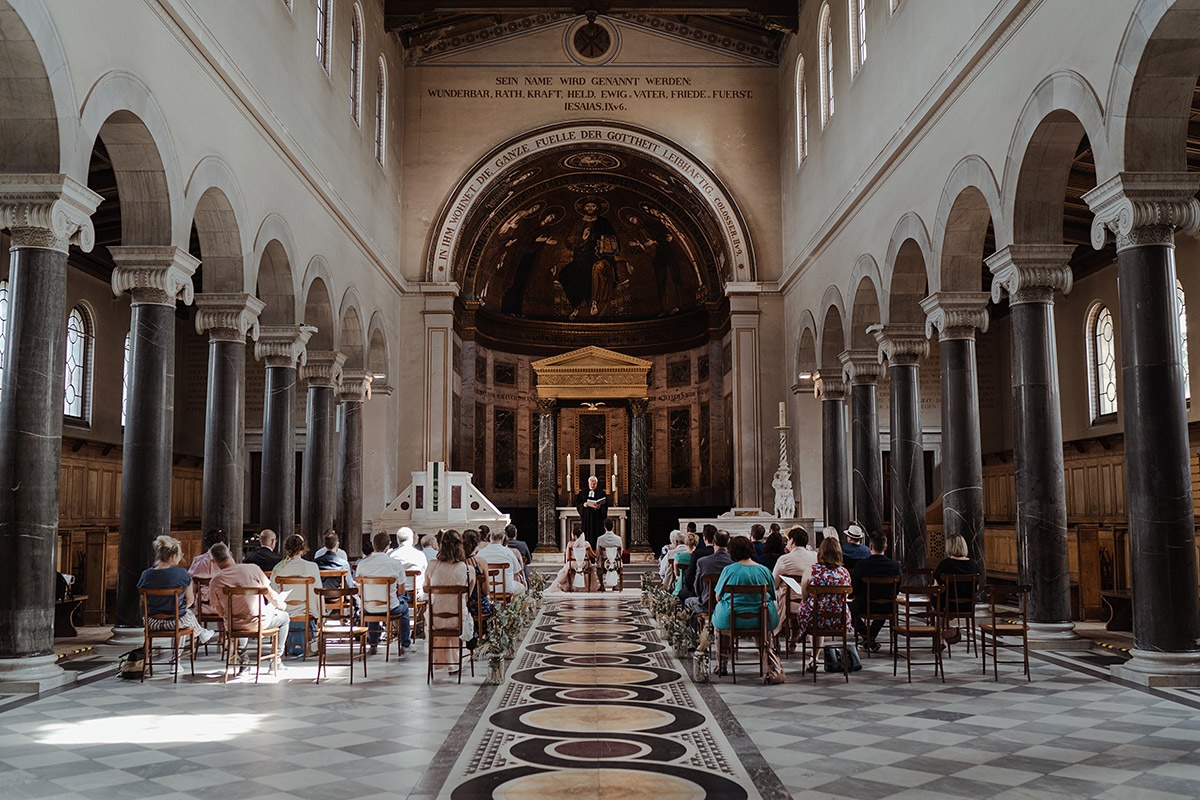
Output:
(956, 315)
(47, 211)
(861, 366)
(901, 344)
(830, 385)
(153, 274)
(1031, 273)
(355, 386)
(639, 406)
(283, 345)
(228, 317)
(323, 368)
(546, 405)
(1144, 208)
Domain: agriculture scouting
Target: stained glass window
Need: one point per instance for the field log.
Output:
(125, 379)
(1182, 311)
(381, 113)
(77, 377)
(356, 66)
(1102, 363)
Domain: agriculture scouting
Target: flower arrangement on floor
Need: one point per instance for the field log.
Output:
(504, 632)
(537, 586)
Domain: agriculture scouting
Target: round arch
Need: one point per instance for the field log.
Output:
(213, 202)
(318, 306)
(907, 271)
(352, 340)
(970, 200)
(806, 346)
(378, 353)
(272, 279)
(832, 341)
(865, 311)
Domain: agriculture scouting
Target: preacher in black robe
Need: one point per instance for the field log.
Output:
(592, 519)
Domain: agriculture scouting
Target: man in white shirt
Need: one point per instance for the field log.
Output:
(496, 553)
(668, 554)
(381, 565)
(411, 558)
(331, 541)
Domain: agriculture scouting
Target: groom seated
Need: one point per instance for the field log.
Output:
(608, 539)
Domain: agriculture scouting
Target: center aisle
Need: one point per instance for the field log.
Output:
(593, 707)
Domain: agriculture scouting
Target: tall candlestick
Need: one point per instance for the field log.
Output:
(614, 481)
(783, 415)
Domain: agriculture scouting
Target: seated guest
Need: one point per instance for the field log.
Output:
(709, 565)
(167, 574)
(773, 548)
(854, 550)
(329, 535)
(565, 580)
(744, 571)
(704, 549)
(683, 558)
(269, 608)
(381, 565)
(827, 532)
(428, 547)
(497, 553)
(479, 601)
(876, 565)
(828, 571)
(956, 562)
(774, 528)
(264, 556)
(674, 545)
(333, 557)
(511, 539)
(449, 569)
(412, 558)
(609, 538)
(294, 565)
(202, 566)
(757, 533)
(796, 561)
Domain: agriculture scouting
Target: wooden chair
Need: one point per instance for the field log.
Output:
(958, 605)
(917, 576)
(175, 633)
(336, 629)
(498, 580)
(416, 608)
(919, 601)
(885, 591)
(841, 594)
(611, 568)
(709, 581)
(249, 626)
(476, 608)
(390, 621)
(581, 570)
(303, 583)
(447, 625)
(342, 607)
(790, 609)
(208, 617)
(997, 594)
(760, 633)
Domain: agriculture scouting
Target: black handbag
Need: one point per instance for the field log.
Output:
(833, 658)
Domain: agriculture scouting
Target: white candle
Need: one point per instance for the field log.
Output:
(614, 479)
(783, 415)
(568, 472)
(615, 470)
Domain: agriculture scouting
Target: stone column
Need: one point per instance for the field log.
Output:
(439, 371)
(957, 315)
(904, 346)
(354, 391)
(831, 389)
(227, 318)
(155, 277)
(1031, 274)
(744, 374)
(639, 475)
(282, 347)
(547, 408)
(862, 369)
(318, 485)
(1144, 210)
(45, 214)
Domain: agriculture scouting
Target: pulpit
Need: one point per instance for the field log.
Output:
(568, 524)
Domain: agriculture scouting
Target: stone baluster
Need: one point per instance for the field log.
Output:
(318, 485)
(281, 347)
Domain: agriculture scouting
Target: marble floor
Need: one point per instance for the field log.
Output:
(593, 706)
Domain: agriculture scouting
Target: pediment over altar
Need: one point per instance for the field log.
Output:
(591, 373)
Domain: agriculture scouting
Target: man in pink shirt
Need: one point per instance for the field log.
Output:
(270, 606)
(203, 566)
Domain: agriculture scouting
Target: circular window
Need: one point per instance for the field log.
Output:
(404, 506)
(592, 41)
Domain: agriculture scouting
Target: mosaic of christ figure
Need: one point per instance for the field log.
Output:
(589, 278)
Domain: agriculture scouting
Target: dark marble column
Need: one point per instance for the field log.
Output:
(281, 347)
(831, 388)
(318, 485)
(547, 408)
(957, 315)
(31, 412)
(155, 277)
(227, 318)
(862, 368)
(639, 475)
(1031, 274)
(354, 391)
(904, 346)
(1144, 210)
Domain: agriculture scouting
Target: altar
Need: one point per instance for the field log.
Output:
(568, 523)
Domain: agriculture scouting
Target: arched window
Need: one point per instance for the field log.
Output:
(858, 36)
(1102, 363)
(1183, 351)
(325, 34)
(3, 327)
(356, 66)
(801, 114)
(826, 59)
(381, 113)
(125, 378)
(77, 380)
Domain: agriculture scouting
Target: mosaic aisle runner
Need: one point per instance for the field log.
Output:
(593, 707)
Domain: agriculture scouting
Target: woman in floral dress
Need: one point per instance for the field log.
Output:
(828, 571)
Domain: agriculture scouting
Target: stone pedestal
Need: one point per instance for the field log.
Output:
(639, 475)
(318, 502)
(1031, 274)
(831, 389)
(904, 346)
(282, 347)
(155, 277)
(547, 472)
(355, 389)
(862, 369)
(227, 318)
(956, 316)
(44, 214)
(1144, 210)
